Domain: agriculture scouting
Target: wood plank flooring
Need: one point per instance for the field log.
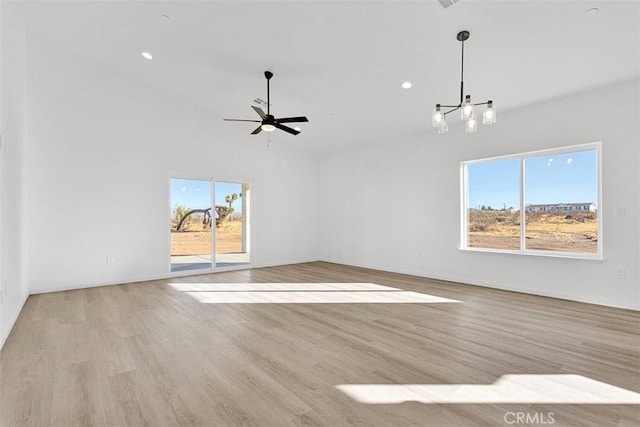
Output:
(154, 354)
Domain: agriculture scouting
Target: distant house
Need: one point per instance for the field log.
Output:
(562, 207)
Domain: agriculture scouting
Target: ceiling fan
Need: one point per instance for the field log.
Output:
(269, 123)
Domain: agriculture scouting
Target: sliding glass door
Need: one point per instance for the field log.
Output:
(206, 235)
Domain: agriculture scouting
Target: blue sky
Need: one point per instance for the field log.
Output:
(560, 178)
(196, 194)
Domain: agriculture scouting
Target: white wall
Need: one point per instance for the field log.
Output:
(397, 206)
(102, 148)
(13, 127)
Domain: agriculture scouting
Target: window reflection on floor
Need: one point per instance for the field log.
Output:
(304, 293)
(524, 389)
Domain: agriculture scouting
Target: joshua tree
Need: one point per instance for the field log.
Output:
(230, 199)
(225, 212)
(180, 212)
(206, 220)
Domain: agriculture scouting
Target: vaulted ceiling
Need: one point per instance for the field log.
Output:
(342, 63)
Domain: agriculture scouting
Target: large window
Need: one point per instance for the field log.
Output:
(544, 202)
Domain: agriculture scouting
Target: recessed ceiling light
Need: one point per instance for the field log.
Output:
(165, 17)
(147, 55)
(297, 128)
(406, 85)
(592, 11)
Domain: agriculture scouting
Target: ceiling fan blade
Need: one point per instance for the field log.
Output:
(241, 120)
(257, 131)
(260, 111)
(292, 120)
(286, 128)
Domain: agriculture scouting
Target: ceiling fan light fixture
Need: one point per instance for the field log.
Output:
(268, 128)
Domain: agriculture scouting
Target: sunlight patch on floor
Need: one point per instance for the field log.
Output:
(304, 293)
(266, 287)
(521, 389)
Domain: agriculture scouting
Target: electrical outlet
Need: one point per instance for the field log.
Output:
(621, 274)
(620, 210)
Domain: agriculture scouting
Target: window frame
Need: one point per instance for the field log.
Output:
(464, 185)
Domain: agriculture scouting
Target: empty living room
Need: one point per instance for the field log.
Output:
(320, 213)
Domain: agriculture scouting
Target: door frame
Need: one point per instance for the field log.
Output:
(251, 236)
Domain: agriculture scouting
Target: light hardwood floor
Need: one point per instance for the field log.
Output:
(181, 352)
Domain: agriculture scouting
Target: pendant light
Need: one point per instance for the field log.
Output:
(466, 107)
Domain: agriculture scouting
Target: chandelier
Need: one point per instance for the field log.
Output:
(466, 107)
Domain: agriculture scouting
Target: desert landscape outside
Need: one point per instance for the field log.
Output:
(575, 232)
(197, 241)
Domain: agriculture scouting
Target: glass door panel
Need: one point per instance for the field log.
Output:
(232, 241)
(191, 221)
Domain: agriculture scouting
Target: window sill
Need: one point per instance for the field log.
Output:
(546, 254)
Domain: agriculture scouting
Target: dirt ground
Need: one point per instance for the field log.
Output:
(228, 240)
(554, 232)
(488, 241)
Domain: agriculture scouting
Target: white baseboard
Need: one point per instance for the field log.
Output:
(287, 262)
(168, 275)
(98, 284)
(466, 281)
(12, 321)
